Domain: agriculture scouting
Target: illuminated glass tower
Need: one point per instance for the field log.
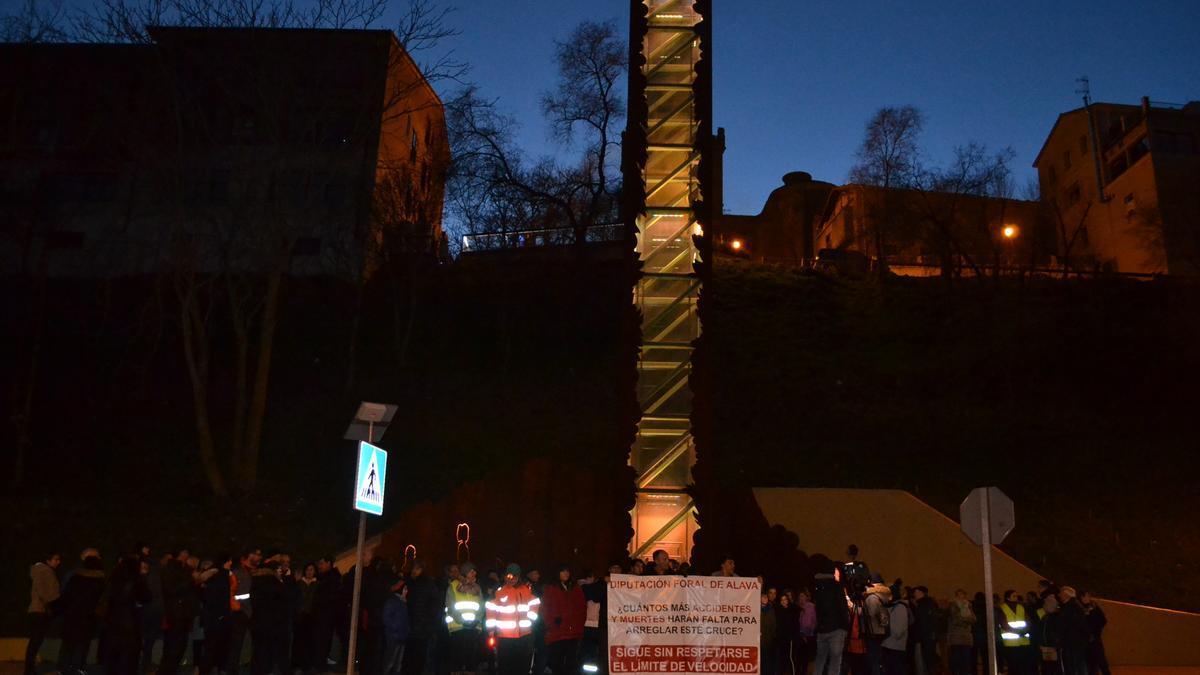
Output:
(668, 136)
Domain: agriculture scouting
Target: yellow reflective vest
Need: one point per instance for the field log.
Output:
(1015, 632)
(464, 609)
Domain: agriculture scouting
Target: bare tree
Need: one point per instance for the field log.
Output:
(127, 20)
(491, 176)
(943, 210)
(495, 188)
(591, 61)
(35, 21)
(1069, 234)
(230, 239)
(889, 157)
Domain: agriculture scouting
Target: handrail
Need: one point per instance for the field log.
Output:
(542, 237)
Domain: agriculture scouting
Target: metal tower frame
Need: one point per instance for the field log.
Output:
(670, 131)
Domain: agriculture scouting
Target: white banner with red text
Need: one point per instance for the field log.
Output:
(668, 624)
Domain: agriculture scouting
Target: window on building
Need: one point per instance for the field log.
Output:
(1130, 206)
(1074, 194)
(1051, 175)
(1067, 159)
(412, 148)
(1083, 145)
(1140, 148)
(1117, 167)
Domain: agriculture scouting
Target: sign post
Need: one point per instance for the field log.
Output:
(369, 482)
(987, 517)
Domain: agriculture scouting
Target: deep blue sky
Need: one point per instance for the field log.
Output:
(796, 80)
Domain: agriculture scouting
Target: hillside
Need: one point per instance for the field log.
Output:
(1074, 397)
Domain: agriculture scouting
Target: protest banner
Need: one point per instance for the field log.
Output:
(673, 624)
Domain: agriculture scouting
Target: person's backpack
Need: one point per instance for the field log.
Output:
(941, 620)
(877, 615)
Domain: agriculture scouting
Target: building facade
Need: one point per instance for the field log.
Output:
(931, 233)
(310, 152)
(783, 232)
(1123, 183)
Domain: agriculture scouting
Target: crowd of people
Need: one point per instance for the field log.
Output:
(852, 622)
(222, 613)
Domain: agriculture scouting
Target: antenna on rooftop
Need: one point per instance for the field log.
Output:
(1084, 89)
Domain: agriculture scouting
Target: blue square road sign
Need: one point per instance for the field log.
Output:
(369, 479)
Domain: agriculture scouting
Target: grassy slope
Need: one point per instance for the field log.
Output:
(1075, 398)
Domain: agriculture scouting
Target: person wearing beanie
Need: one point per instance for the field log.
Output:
(464, 619)
(395, 627)
(510, 617)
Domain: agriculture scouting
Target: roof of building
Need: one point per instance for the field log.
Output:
(159, 32)
(372, 33)
(1186, 108)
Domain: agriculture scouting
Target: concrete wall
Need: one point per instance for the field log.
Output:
(901, 536)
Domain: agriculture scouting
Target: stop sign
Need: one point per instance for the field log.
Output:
(1001, 515)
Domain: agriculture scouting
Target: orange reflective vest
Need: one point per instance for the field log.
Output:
(511, 613)
(234, 604)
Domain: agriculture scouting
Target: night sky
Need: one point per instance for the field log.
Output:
(796, 80)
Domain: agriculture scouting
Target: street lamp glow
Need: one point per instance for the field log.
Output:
(1009, 231)
(736, 244)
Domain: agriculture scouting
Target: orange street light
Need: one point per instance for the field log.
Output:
(736, 244)
(1010, 231)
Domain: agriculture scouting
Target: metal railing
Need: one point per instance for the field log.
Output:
(538, 238)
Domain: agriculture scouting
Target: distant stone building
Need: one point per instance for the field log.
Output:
(783, 231)
(1134, 205)
(920, 233)
(312, 152)
(928, 233)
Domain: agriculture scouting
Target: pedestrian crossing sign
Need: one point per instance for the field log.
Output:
(369, 480)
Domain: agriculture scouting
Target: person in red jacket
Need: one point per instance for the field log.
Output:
(564, 611)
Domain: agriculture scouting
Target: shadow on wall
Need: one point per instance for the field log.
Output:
(541, 513)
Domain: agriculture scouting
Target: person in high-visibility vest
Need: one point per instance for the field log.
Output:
(510, 617)
(464, 620)
(1014, 635)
